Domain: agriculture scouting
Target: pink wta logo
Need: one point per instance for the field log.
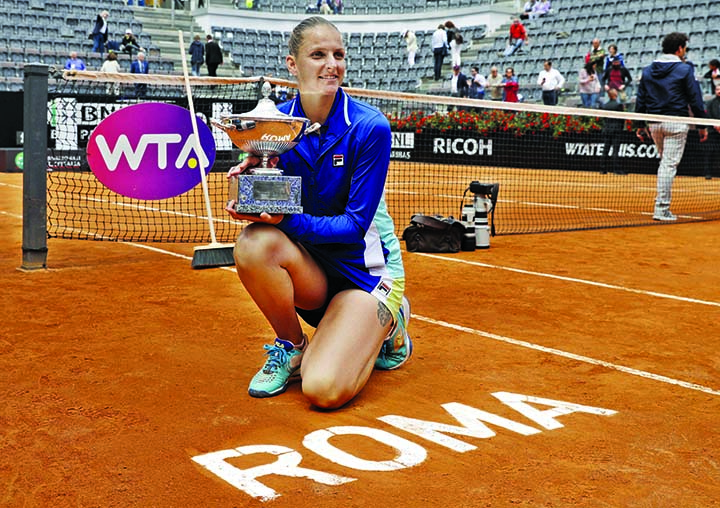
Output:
(148, 151)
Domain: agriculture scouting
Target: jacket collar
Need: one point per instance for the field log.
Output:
(336, 125)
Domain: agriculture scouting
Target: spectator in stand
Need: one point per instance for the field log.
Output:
(456, 49)
(337, 6)
(540, 8)
(551, 82)
(612, 55)
(477, 83)
(668, 87)
(412, 46)
(589, 86)
(74, 63)
(440, 48)
(612, 130)
(140, 66)
(495, 84)
(458, 83)
(510, 86)
(527, 8)
(596, 54)
(129, 43)
(99, 34)
(516, 39)
(111, 65)
(197, 55)
(213, 55)
(712, 148)
(450, 31)
(618, 77)
(713, 74)
(324, 7)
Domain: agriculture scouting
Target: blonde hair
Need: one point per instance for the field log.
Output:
(298, 34)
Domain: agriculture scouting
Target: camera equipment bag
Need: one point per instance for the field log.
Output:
(433, 234)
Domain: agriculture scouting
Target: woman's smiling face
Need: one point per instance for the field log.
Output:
(320, 61)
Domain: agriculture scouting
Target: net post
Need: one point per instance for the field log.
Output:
(34, 242)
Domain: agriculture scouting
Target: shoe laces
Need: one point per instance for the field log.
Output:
(277, 357)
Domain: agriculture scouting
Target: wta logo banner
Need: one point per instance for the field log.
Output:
(147, 151)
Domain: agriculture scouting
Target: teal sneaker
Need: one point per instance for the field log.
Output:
(282, 364)
(397, 348)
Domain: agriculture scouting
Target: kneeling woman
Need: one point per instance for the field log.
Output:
(338, 264)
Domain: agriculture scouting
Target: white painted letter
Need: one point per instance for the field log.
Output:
(546, 418)
(245, 479)
(471, 419)
(410, 454)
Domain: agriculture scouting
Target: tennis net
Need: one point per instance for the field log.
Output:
(552, 164)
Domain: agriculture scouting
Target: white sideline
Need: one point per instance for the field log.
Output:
(516, 342)
(572, 356)
(572, 279)
(537, 347)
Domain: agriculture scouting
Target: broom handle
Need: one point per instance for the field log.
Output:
(198, 147)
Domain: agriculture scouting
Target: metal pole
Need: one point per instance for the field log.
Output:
(34, 243)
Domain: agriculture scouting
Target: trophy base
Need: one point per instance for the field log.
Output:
(274, 194)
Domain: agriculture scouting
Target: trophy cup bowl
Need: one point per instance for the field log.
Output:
(264, 132)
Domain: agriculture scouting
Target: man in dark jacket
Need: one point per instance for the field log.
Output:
(668, 87)
(213, 56)
(99, 34)
(712, 148)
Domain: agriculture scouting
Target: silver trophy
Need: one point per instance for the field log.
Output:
(265, 132)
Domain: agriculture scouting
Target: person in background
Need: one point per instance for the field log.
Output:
(495, 84)
(596, 54)
(612, 130)
(412, 46)
(213, 55)
(618, 77)
(338, 264)
(510, 86)
(458, 83)
(129, 43)
(140, 66)
(516, 39)
(99, 34)
(197, 55)
(74, 63)
(668, 87)
(612, 55)
(589, 85)
(456, 46)
(551, 82)
(440, 49)
(477, 83)
(713, 74)
(712, 148)
(111, 65)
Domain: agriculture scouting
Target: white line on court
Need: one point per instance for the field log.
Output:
(13, 215)
(516, 342)
(572, 356)
(572, 279)
(529, 345)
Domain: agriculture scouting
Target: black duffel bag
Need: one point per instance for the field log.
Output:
(433, 234)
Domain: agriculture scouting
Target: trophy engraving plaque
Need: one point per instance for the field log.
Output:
(265, 132)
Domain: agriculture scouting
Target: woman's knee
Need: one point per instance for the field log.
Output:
(256, 243)
(325, 391)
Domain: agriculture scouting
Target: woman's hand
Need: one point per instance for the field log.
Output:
(250, 162)
(253, 217)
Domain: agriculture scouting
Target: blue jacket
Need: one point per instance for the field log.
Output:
(345, 224)
(668, 87)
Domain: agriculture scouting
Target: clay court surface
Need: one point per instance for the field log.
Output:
(119, 365)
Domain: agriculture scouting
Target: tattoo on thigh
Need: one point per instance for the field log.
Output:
(383, 314)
